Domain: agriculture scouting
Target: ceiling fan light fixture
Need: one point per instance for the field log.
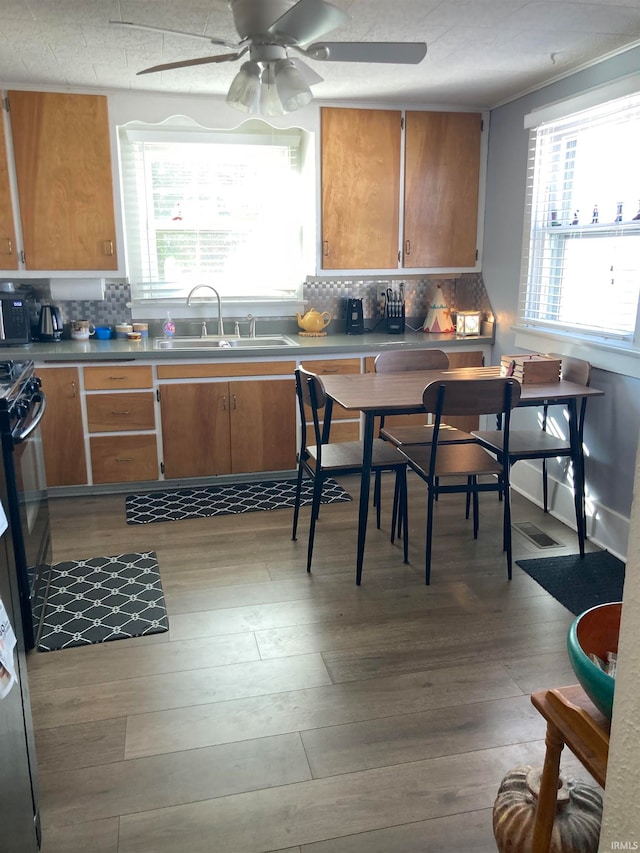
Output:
(291, 85)
(270, 104)
(244, 92)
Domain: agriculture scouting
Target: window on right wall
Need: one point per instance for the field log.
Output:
(581, 257)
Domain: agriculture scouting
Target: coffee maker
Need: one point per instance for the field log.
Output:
(354, 324)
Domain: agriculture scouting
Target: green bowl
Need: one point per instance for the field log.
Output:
(595, 631)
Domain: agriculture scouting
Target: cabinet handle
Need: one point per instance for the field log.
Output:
(124, 458)
(108, 247)
(330, 370)
(224, 404)
(117, 378)
(235, 400)
(9, 246)
(325, 248)
(407, 247)
(74, 390)
(121, 413)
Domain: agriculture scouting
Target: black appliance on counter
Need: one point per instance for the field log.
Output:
(22, 406)
(354, 324)
(19, 816)
(15, 326)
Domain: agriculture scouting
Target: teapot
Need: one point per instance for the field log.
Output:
(314, 321)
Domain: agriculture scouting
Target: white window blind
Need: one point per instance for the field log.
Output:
(581, 258)
(227, 209)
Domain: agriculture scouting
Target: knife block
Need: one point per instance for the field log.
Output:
(395, 324)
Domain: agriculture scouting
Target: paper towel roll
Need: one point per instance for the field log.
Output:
(64, 289)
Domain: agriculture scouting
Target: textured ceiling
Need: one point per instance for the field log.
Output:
(480, 52)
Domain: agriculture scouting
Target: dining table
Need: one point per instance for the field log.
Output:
(383, 394)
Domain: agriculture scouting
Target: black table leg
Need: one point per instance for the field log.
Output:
(577, 464)
(365, 483)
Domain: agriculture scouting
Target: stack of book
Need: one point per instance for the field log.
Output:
(531, 368)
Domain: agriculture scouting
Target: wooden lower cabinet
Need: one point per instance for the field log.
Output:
(61, 427)
(124, 458)
(236, 427)
(196, 432)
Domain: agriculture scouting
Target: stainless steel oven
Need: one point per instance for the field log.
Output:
(22, 406)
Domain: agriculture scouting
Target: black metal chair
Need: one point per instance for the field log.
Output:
(323, 459)
(541, 444)
(440, 462)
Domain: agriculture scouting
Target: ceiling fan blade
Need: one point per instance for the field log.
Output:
(401, 53)
(186, 63)
(308, 20)
(308, 74)
(210, 39)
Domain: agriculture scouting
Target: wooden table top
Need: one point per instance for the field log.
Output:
(383, 392)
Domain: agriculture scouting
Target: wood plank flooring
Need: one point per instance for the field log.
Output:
(299, 713)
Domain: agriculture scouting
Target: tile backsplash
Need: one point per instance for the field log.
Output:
(462, 292)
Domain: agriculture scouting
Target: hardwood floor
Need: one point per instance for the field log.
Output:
(292, 712)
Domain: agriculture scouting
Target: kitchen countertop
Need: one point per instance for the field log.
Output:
(336, 344)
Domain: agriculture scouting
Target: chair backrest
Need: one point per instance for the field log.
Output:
(310, 393)
(576, 370)
(396, 361)
(472, 396)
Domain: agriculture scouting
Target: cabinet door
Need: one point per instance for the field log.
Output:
(195, 429)
(442, 172)
(63, 169)
(263, 425)
(360, 188)
(61, 427)
(8, 254)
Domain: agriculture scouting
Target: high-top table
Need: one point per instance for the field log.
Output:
(376, 394)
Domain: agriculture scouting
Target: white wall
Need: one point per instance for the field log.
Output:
(612, 421)
(611, 429)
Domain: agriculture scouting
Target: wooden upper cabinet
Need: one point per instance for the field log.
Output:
(442, 172)
(63, 168)
(360, 188)
(8, 253)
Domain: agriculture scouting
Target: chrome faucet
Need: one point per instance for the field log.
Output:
(251, 320)
(208, 286)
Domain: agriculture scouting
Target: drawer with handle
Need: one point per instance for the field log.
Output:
(124, 458)
(115, 412)
(118, 376)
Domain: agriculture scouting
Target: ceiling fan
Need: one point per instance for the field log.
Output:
(272, 82)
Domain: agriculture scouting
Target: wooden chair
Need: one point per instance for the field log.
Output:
(439, 462)
(540, 444)
(397, 361)
(322, 460)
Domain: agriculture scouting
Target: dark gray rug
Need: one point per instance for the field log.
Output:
(579, 583)
(103, 599)
(209, 501)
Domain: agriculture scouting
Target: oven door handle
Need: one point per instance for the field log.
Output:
(36, 415)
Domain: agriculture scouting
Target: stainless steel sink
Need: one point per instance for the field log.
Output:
(214, 342)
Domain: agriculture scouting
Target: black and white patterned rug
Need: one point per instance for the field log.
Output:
(103, 599)
(235, 498)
